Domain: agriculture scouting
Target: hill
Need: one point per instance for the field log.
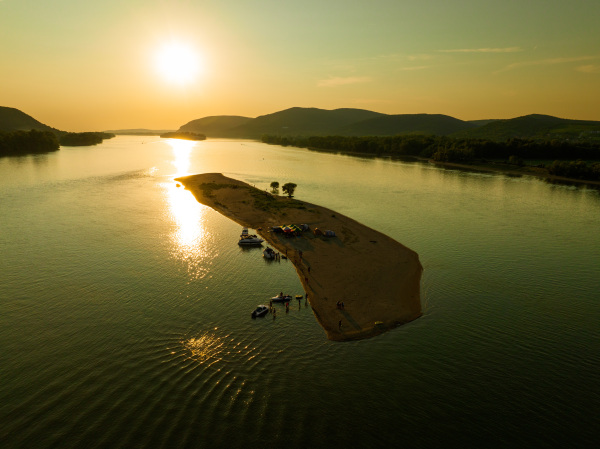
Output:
(215, 126)
(301, 121)
(321, 122)
(138, 132)
(536, 127)
(392, 125)
(12, 119)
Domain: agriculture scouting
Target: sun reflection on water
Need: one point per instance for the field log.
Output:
(182, 150)
(191, 240)
(204, 347)
(189, 236)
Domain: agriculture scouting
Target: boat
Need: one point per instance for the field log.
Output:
(247, 239)
(261, 310)
(281, 298)
(269, 253)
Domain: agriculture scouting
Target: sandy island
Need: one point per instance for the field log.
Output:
(377, 278)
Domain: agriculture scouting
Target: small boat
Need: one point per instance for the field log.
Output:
(261, 310)
(269, 253)
(247, 239)
(281, 298)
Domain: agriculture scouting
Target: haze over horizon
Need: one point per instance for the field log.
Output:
(83, 66)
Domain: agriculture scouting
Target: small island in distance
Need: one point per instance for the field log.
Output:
(183, 135)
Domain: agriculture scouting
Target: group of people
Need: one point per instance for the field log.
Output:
(340, 305)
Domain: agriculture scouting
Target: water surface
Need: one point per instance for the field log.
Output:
(125, 304)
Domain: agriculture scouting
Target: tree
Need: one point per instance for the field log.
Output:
(275, 187)
(289, 188)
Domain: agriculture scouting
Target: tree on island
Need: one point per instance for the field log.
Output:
(274, 187)
(289, 189)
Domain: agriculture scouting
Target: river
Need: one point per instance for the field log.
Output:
(125, 307)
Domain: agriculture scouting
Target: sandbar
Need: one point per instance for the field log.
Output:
(377, 278)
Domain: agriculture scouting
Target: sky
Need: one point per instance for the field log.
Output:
(113, 64)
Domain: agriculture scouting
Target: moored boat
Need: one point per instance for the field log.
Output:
(281, 298)
(260, 310)
(269, 253)
(247, 239)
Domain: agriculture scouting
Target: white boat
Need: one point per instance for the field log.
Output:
(247, 239)
(281, 298)
(269, 253)
(260, 311)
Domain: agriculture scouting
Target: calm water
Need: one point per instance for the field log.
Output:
(124, 307)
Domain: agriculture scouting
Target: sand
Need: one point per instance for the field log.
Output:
(377, 278)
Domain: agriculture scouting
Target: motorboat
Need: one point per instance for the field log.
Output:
(281, 298)
(261, 310)
(247, 239)
(269, 253)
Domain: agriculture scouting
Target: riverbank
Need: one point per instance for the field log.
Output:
(377, 278)
(512, 170)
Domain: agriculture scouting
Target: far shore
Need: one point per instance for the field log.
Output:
(377, 278)
(490, 166)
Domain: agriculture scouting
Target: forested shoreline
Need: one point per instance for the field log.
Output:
(84, 139)
(19, 143)
(577, 160)
(184, 135)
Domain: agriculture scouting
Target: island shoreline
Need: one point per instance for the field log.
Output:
(375, 277)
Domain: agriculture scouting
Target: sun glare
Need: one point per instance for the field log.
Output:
(177, 62)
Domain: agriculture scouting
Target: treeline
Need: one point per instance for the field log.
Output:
(575, 170)
(183, 135)
(84, 139)
(463, 150)
(443, 148)
(19, 143)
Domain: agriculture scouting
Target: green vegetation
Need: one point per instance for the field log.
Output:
(275, 187)
(447, 149)
(12, 119)
(270, 203)
(84, 139)
(183, 135)
(19, 143)
(289, 188)
(535, 127)
(575, 170)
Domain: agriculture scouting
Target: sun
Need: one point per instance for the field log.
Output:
(177, 62)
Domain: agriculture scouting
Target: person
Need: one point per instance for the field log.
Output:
(340, 325)
(309, 268)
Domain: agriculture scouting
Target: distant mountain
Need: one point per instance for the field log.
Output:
(139, 132)
(321, 122)
(482, 122)
(534, 126)
(301, 121)
(12, 119)
(391, 125)
(215, 126)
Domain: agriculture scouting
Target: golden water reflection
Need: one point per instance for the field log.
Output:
(191, 240)
(189, 235)
(204, 347)
(182, 150)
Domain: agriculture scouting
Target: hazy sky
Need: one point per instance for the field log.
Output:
(92, 65)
